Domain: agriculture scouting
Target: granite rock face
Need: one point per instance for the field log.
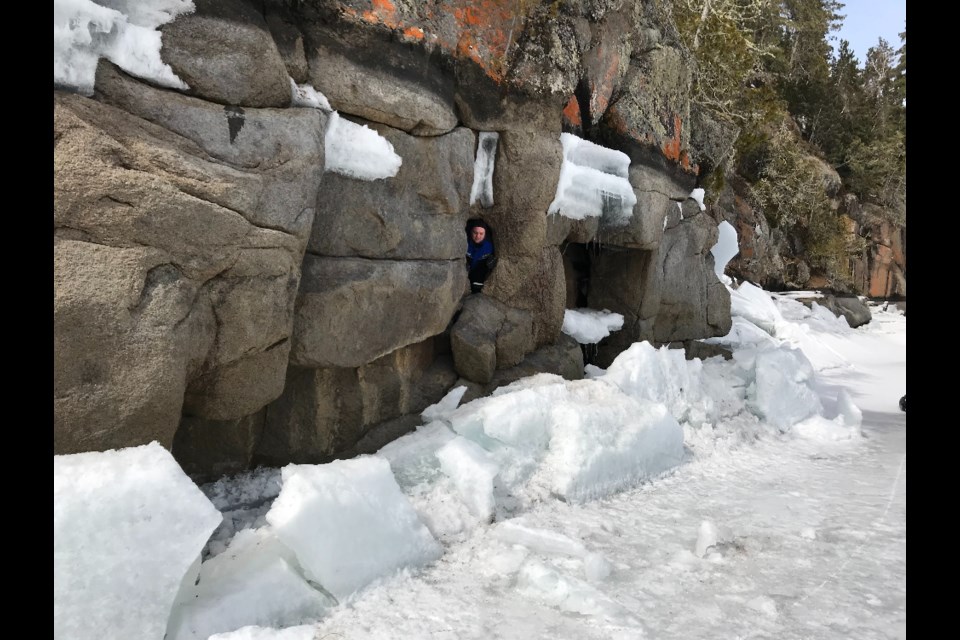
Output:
(219, 290)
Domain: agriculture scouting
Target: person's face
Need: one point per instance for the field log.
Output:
(478, 234)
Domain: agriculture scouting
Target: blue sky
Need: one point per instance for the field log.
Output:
(869, 20)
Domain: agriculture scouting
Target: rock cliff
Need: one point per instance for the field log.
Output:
(221, 290)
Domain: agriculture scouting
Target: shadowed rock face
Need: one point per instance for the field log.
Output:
(324, 412)
(218, 291)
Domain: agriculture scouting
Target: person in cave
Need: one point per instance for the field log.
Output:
(481, 255)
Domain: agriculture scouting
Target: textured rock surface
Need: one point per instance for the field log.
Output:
(352, 311)
(225, 53)
(853, 309)
(487, 336)
(536, 285)
(326, 411)
(217, 291)
(693, 302)
(159, 253)
(418, 214)
(524, 185)
(564, 358)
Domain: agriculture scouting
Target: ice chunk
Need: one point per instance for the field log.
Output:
(128, 525)
(543, 583)
(348, 523)
(301, 632)
(472, 471)
(706, 538)
(541, 541)
(590, 326)
(445, 406)
(725, 249)
(413, 457)
(593, 182)
(603, 441)
(849, 413)
(254, 582)
(783, 391)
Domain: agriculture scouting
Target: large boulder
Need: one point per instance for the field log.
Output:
(225, 53)
(693, 302)
(266, 164)
(127, 332)
(524, 184)
(178, 243)
(534, 284)
(855, 310)
(657, 196)
(487, 336)
(352, 311)
(417, 214)
(365, 74)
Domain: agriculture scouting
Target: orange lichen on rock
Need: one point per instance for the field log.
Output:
(571, 112)
(484, 28)
(381, 12)
(387, 12)
(483, 36)
(671, 148)
(467, 48)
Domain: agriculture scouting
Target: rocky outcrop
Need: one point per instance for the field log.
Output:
(352, 311)
(406, 217)
(693, 302)
(881, 272)
(219, 290)
(774, 259)
(177, 254)
(851, 308)
(226, 54)
(487, 336)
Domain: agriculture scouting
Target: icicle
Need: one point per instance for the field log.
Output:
(483, 167)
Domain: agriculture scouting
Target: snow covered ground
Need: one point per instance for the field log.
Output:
(762, 496)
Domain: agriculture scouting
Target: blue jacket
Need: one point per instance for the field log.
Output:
(477, 252)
